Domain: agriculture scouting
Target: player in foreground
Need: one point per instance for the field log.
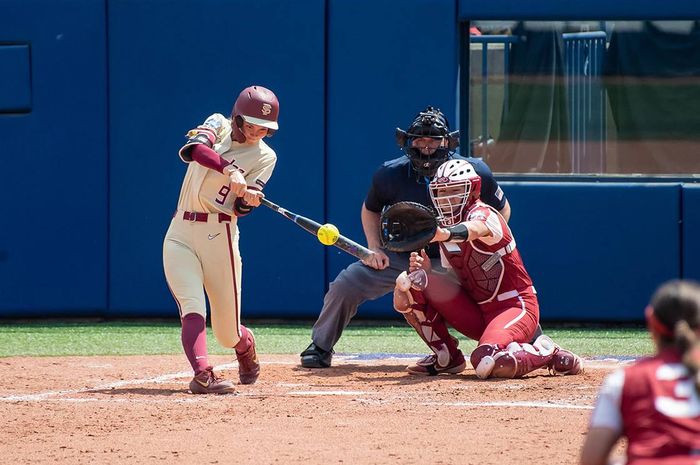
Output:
(426, 143)
(487, 294)
(231, 166)
(655, 403)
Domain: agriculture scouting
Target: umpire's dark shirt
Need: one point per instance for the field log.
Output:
(396, 181)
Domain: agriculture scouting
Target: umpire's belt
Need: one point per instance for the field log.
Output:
(204, 217)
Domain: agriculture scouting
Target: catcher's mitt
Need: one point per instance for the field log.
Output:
(407, 226)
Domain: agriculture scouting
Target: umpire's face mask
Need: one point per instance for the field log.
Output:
(426, 154)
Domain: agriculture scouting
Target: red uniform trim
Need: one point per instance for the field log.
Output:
(177, 302)
(202, 217)
(233, 274)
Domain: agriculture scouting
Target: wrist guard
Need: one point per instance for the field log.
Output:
(240, 208)
(458, 233)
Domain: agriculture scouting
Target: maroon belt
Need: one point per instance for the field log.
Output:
(204, 217)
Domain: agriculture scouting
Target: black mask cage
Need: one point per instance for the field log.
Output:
(431, 123)
(426, 164)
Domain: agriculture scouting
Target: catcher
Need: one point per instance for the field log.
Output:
(427, 143)
(486, 294)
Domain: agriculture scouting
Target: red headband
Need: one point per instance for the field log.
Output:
(654, 324)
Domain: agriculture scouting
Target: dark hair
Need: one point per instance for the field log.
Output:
(676, 304)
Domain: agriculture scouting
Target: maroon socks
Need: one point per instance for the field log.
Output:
(194, 341)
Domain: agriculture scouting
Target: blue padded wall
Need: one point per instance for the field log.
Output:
(596, 250)
(15, 79)
(691, 231)
(53, 241)
(167, 76)
(379, 77)
(95, 98)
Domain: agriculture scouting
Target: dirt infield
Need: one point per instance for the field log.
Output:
(114, 410)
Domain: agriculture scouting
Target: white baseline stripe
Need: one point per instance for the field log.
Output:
(186, 374)
(102, 400)
(117, 384)
(513, 404)
(326, 393)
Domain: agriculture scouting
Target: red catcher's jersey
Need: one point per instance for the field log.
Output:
(661, 410)
(484, 276)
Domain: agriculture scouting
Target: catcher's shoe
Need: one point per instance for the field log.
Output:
(315, 357)
(565, 362)
(208, 382)
(428, 366)
(248, 364)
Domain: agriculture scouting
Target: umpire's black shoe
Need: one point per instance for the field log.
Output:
(315, 357)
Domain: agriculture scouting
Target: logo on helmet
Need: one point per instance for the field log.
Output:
(266, 109)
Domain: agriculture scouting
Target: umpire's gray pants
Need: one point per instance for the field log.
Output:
(353, 286)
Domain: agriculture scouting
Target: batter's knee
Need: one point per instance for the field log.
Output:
(227, 339)
(195, 309)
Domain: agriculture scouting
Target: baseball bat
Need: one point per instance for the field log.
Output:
(343, 243)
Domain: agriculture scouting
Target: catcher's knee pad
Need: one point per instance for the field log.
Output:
(417, 280)
(403, 284)
(404, 300)
(402, 294)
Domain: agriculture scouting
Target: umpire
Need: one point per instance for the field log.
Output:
(426, 144)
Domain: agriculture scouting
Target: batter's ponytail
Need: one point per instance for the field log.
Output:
(676, 305)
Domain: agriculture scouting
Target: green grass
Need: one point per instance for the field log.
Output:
(152, 338)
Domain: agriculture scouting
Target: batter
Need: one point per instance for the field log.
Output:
(229, 165)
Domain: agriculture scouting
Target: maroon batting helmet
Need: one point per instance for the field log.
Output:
(256, 105)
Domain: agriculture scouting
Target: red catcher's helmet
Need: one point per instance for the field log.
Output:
(455, 188)
(256, 105)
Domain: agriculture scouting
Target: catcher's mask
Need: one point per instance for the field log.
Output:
(255, 105)
(429, 123)
(454, 188)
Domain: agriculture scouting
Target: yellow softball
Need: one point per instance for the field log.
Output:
(328, 234)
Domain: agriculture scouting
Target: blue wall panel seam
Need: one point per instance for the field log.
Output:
(108, 153)
(681, 248)
(326, 252)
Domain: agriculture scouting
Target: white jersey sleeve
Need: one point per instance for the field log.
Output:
(206, 190)
(222, 128)
(258, 176)
(606, 413)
